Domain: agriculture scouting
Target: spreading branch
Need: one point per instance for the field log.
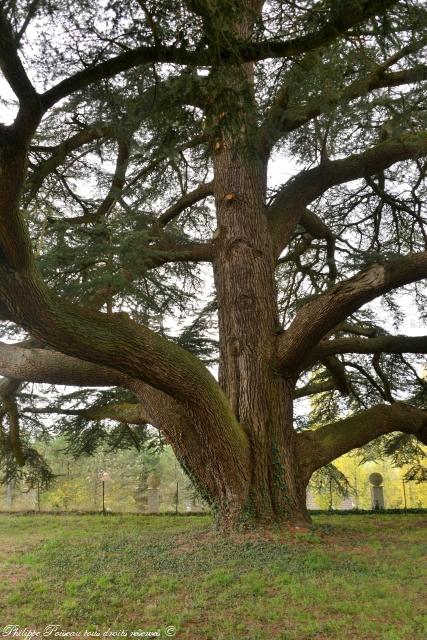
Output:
(292, 200)
(282, 119)
(319, 230)
(380, 344)
(319, 316)
(337, 371)
(129, 412)
(115, 190)
(321, 446)
(313, 388)
(62, 150)
(337, 24)
(187, 200)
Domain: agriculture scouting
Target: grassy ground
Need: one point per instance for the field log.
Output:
(354, 577)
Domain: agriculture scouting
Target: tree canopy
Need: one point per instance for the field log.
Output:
(200, 183)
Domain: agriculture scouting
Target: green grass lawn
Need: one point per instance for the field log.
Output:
(351, 577)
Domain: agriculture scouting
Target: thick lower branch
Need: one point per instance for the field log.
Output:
(380, 344)
(130, 412)
(219, 462)
(45, 366)
(319, 316)
(321, 446)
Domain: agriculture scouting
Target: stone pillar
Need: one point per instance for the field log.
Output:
(377, 491)
(153, 500)
(32, 495)
(311, 501)
(189, 505)
(153, 496)
(10, 495)
(347, 503)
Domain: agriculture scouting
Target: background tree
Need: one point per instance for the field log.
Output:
(136, 164)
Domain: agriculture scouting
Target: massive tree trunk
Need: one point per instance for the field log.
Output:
(244, 268)
(244, 272)
(248, 322)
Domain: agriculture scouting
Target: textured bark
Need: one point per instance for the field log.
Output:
(42, 365)
(245, 285)
(244, 266)
(219, 480)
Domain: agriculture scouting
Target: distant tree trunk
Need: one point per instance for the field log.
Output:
(10, 495)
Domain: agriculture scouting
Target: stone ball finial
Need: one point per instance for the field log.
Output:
(376, 479)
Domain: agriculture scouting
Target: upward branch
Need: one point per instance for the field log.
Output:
(292, 200)
(319, 316)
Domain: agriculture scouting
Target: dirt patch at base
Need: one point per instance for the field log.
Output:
(13, 574)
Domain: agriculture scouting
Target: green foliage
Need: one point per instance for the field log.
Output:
(329, 479)
(36, 472)
(85, 437)
(417, 473)
(402, 450)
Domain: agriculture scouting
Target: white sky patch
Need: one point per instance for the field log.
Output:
(8, 103)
